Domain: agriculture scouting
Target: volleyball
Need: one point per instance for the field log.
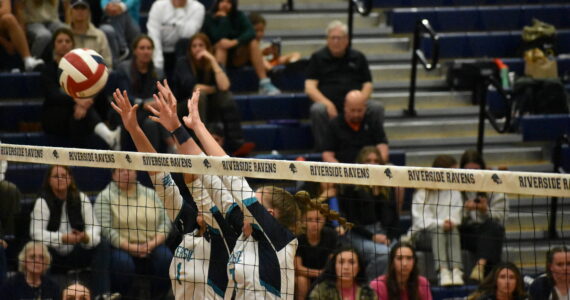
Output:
(82, 73)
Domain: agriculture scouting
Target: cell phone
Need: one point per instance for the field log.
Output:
(477, 200)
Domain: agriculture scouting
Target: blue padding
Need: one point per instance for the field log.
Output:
(24, 138)
(14, 113)
(450, 45)
(500, 18)
(563, 38)
(397, 157)
(456, 292)
(496, 104)
(457, 19)
(553, 14)
(544, 127)
(404, 20)
(243, 79)
(264, 136)
(20, 85)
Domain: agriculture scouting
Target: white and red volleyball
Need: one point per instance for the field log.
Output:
(82, 73)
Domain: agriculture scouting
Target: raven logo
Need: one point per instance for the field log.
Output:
(496, 179)
(293, 168)
(207, 164)
(128, 158)
(388, 173)
(55, 154)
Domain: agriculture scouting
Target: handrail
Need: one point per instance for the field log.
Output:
(422, 26)
(363, 7)
(480, 96)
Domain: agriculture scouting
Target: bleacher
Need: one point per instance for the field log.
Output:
(468, 29)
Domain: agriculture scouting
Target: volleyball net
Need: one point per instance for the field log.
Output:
(533, 209)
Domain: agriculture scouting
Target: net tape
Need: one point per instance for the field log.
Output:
(527, 183)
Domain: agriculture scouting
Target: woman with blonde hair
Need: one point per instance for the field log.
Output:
(31, 283)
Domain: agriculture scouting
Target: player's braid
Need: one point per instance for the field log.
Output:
(323, 208)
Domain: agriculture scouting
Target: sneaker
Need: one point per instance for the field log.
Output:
(30, 63)
(457, 277)
(445, 277)
(267, 88)
(477, 273)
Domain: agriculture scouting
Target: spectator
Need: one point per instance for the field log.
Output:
(334, 71)
(85, 34)
(436, 214)
(234, 41)
(66, 117)
(343, 278)
(555, 283)
(355, 128)
(504, 282)
(315, 248)
(168, 22)
(122, 16)
(482, 230)
(374, 211)
(271, 52)
(13, 38)
(9, 209)
(402, 281)
(76, 291)
(31, 282)
(41, 20)
(62, 218)
(199, 69)
(135, 223)
(141, 75)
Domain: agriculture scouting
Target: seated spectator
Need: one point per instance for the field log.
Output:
(122, 16)
(135, 223)
(314, 250)
(31, 282)
(334, 71)
(85, 34)
(141, 76)
(271, 52)
(168, 22)
(504, 282)
(436, 215)
(555, 283)
(482, 230)
(63, 220)
(374, 212)
(402, 281)
(76, 291)
(68, 118)
(13, 38)
(200, 70)
(9, 209)
(234, 41)
(41, 20)
(343, 278)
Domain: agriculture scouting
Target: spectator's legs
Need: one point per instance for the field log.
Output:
(160, 258)
(40, 37)
(302, 286)
(485, 241)
(375, 255)
(114, 41)
(125, 28)
(10, 28)
(221, 55)
(319, 124)
(439, 249)
(9, 206)
(100, 283)
(256, 59)
(122, 269)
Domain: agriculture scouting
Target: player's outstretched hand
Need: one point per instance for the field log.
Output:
(164, 112)
(193, 118)
(128, 112)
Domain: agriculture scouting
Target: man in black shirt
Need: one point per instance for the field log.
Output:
(333, 71)
(355, 128)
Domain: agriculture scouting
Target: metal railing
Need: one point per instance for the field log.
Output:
(480, 96)
(363, 7)
(422, 27)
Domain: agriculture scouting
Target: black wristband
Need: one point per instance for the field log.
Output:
(181, 134)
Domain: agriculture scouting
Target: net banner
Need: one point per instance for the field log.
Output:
(541, 184)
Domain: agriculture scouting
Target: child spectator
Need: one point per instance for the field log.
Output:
(402, 281)
(271, 51)
(31, 282)
(315, 248)
(12, 37)
(437, 214)
(234, 41)
(343, 278)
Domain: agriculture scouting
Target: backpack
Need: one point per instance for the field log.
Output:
(539, 96)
